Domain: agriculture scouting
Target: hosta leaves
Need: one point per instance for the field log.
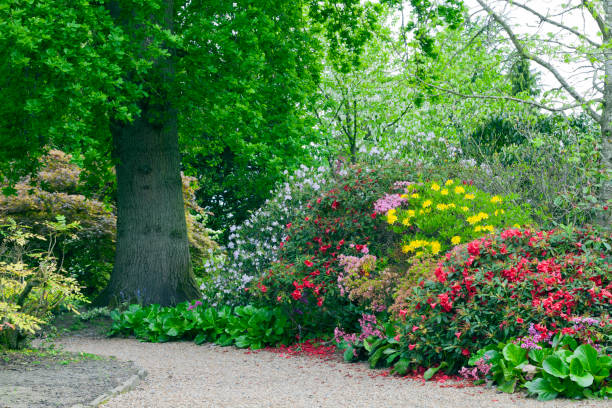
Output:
(587, 356)
(514, 354)
(433, 370)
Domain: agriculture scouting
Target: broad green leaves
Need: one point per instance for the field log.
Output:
(556, 366)
(243, 326)
(566, 369)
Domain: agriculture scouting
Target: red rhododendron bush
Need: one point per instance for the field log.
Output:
(494, 288)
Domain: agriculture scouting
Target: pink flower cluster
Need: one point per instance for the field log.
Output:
(388, 202)
(368, 327)
(537, 334)
(482, 369)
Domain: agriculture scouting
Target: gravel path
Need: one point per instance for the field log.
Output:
(185, 375)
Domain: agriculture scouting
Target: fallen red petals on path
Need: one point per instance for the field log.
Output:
(317, 348)
(309, 348)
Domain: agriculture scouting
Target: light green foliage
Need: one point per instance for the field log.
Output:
(31, 282)
(63, 77)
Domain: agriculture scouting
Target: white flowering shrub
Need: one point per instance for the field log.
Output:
(253, 245)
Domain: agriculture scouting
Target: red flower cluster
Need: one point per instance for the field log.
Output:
(554, 284)
(485, 291)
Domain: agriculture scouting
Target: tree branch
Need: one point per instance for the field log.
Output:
(597, 17)
(556, 23)
(521, 50)
(508, 98)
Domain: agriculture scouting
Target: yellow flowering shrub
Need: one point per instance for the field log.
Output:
(438, 215)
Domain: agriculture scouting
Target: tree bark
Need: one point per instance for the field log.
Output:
(152, 262)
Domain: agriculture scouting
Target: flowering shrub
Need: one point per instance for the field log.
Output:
(380, 286)
(548, 363)
(253, 246)
(486, 291)
(431, 217)
(337, 221)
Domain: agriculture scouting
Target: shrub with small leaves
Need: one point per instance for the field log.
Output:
(32, 284)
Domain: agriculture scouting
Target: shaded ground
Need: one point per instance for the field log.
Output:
(49, 377)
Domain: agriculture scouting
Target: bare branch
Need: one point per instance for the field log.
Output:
(510, 98)
(556, 23)
(521, 50)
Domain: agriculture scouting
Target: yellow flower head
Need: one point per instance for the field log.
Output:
(444, 191)
(516, 226)
(448, 183)
(496, 199)
(464, 208)
(489, 228)
(441, 207)
(426, 203)
(404, 196)
(435, 247)
(415, 195)
(406, 222)
(391, 217)
(411, 213)
(451, 205)
(435, 187)
(483, 216)
(473, 219)
(459, 190)
(478, 228)
(469, 196)
(455, 240)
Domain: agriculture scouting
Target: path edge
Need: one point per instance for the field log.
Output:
(128, 385)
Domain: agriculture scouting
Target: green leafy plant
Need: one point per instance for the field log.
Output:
(32, 283)
(242, 326)
(548, 369)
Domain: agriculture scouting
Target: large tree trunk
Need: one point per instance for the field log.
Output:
(152, 263)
